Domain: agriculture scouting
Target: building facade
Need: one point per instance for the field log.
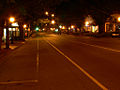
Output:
(113, 23)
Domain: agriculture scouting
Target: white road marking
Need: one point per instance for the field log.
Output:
(80, 68)
(97, 46)
(38, 57)
(19, 82)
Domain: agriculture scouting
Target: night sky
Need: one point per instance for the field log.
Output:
(67, 10)
(79, 9)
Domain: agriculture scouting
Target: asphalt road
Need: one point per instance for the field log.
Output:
(62, 62)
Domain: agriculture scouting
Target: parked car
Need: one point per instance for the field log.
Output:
(116, 34)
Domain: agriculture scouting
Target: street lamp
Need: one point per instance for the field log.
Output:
(86, 23)
(25, 26)
(69, 28)
(52, 15)
(72, 27)
(46, 13)
(53, 22)
(12, 20)
(63, 27)
(118, 19)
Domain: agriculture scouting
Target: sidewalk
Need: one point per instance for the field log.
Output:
(12, 47)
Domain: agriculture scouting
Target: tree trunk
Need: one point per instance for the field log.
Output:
(1, 30)
(1, 35)
(21, 32)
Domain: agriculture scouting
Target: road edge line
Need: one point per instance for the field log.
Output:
(101, 47)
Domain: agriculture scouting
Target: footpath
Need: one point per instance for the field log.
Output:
(12, 47)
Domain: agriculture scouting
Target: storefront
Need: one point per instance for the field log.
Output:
(91, 29)
(113, 23)
(13, 30)
(90, 26)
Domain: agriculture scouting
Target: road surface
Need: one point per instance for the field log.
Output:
(62, 62)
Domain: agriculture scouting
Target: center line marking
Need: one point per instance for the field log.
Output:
(80, 68)
(38, 59)
(19, 82)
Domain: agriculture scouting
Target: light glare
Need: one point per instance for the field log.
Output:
(12, 19)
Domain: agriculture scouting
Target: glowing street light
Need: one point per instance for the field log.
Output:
(118, 19)
(53, 22)
(86, 23)
(52, 15)
(46, 13)
(24, 26)
(12, 19)
(69, 28)
(72, 27)
(63, 27)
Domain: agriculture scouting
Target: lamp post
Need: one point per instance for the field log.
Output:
(1, 34)
(25, 26)
(72, 27)
(53, 22)
(12, 20)
(87, 24)
(46, 13)
(52, 15)
(118, 19)
(60, 27)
